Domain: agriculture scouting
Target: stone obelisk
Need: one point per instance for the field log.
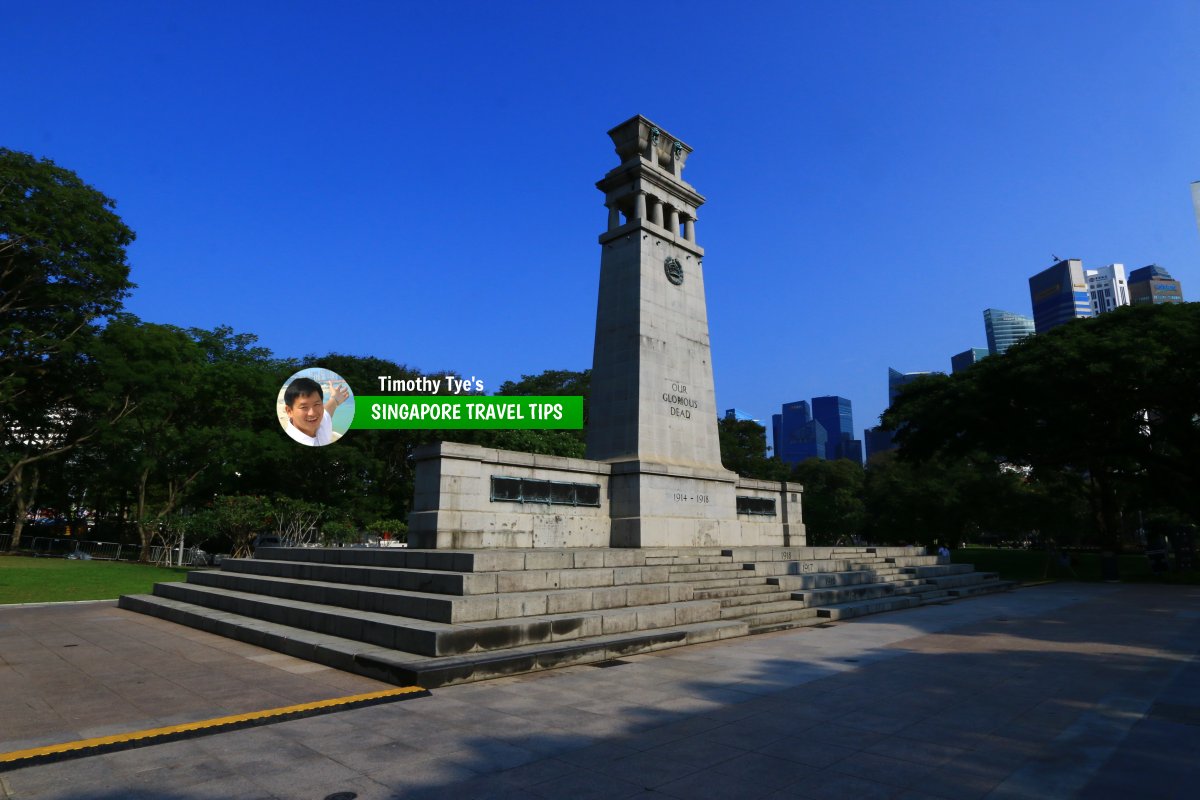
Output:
(653, 411)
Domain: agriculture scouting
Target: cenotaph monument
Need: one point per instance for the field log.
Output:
(652, 476)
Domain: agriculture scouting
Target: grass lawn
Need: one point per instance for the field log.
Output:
(1029, 566)
(44, 580)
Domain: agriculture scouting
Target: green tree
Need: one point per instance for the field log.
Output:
(239, 518)
(1112, 403)
(367, 475)
(834, 510)
(744, 450)
(551, 383)
(62, 272)
(159, 452)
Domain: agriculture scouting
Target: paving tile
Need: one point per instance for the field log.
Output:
(710, 784)
(765, 771)
(696, 750)
(882, 769)
(839, 786)
(806, 751)
(647, 770)
(536, 772)
(483, 788)
(584, 785)
(746, 734)
(596, 756)
(921, 752)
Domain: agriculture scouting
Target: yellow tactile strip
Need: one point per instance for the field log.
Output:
(125, 741)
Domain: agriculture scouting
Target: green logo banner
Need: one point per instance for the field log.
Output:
(463, 412)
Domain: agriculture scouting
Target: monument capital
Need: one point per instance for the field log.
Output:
(638, 137)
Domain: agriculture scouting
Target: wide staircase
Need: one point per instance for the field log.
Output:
(434, 617)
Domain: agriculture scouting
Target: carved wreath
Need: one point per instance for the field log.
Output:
(674, 270)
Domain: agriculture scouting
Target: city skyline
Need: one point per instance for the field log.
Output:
(422, 186)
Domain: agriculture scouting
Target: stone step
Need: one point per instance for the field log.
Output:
(981, 588)
(413, 580)
(698, 578)
(706, 567)
(754, 598)
(733, 591)
(819, 566)
(861, 607)
(446, 608)
(767, 554)
(781, 620)
(822, 580)
(832, 579)
(681, 554)
(430, 638)
(913, 561)
(962, 579)
(846, 594)
(458, 583)
(721, 583)
(938, 570)
(486, 560)
(759, 609)
(681, 560)
(430, 672)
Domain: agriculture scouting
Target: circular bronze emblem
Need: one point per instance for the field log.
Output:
(674, 270)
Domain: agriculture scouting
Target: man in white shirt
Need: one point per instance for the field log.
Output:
(310, 416)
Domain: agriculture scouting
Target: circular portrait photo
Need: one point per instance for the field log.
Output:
(315, 406)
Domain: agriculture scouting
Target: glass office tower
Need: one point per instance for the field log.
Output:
(1059, 294)
(1004, 329)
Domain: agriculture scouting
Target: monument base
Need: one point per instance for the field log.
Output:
(476, 497)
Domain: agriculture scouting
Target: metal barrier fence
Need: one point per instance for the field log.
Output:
(57, 546)
(63, 547)
(169, 557)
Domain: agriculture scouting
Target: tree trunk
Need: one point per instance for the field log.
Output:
(24, 495)
(1104, 506)
(145, 534)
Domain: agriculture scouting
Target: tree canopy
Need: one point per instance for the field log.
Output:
(1112, 403)
(62, 268)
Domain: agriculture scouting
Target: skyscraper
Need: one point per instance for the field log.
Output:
(898, 380)
(1153, 284)
(796, 434)
(968, 357)
(1059, 294)
(1004, 329)
(1107, 288)
(878, 441)
(836, 416)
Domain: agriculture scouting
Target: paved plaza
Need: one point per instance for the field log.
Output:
(1055, 691)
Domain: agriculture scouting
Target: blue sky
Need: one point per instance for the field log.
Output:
(417, 183)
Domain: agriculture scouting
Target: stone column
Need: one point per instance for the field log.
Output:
(689, 229)
(656, 207)
(614, 217)
(640, 210)
(673, 220)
